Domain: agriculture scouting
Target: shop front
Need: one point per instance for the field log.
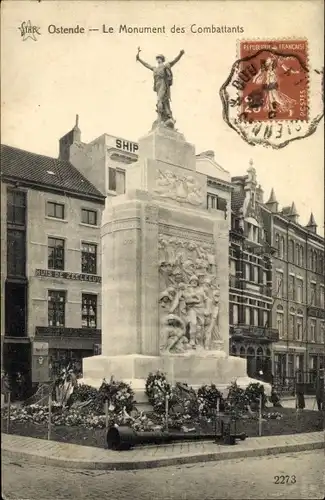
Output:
(68, 347)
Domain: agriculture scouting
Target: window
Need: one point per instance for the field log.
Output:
(221, 204)
(16, 261)
(322, 332)
(280, 323)
(314, 261)
(265, 318)
(112, 179)
(301, 263)
(89, 217)
(16, 207)
(55, 210)
(290, 365)
(235, 314)
(232, 268)
(321, 263)
(255, 274)
(116, 180)
(322, 297)
(247, 272)
(277, 243)
(89, 311)
(310, 259)
(282, 247)
(89, 258)
(312, 294)
(279, 284)
(120, 182)
(313, 362)
(247, 316)
(291, 251)
(291, 287)
(298, 254)
(300, 290)
(291, 324)
(55, 252)
(56, 308)
(312, 330)
(299, 327)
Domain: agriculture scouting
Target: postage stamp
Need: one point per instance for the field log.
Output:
(271, 96)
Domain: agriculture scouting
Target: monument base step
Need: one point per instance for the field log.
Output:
(194, 369)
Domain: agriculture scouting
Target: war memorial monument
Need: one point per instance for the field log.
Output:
(165, 267)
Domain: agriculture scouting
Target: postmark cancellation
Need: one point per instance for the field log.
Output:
(272, 96)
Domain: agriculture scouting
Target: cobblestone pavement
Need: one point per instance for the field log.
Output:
(246, 478)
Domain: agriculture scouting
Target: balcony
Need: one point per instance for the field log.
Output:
(254, 332)
(237, 283)
(263, 248)
(315, 312)
(241, 284)
(266, 290)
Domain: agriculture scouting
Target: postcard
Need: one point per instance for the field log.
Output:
(162, 249)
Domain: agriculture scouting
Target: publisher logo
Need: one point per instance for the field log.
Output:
(28, 31)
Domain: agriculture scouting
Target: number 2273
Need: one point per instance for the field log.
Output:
(285, 479)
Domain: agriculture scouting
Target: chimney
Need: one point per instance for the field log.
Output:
(68, 139)
(272, 203)
(312, 226)
(291, 213)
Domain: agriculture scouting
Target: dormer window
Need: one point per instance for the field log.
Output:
(252, 230)
(253, 200)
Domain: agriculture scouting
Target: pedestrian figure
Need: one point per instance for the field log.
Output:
(300, 391)
(5, 386)
(274, 398)
(320, 389)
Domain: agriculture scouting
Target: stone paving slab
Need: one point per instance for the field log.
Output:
(85, 457)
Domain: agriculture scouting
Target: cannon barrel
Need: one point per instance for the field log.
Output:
(125, 438)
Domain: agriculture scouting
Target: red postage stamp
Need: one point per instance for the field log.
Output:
(279, 88)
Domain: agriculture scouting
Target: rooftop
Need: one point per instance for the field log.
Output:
(39, 171)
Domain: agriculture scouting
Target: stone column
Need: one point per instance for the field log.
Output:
(149, 324)
(121, 252)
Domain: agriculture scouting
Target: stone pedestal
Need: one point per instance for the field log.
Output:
(165, 275)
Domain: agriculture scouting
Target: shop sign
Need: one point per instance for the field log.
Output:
(40, 348)
(49, 273)
(40, 362)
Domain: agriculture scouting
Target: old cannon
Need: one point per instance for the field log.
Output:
(125, 438)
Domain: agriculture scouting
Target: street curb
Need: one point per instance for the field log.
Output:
(191, 458)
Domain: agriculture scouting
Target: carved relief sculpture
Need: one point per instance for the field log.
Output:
(189, 301)
(184, 189)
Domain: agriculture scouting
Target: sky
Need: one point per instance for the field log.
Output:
(47, 81)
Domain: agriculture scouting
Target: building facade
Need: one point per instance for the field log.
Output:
(51, 214)
(298, 291)
(252, 333)
(51, 262)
